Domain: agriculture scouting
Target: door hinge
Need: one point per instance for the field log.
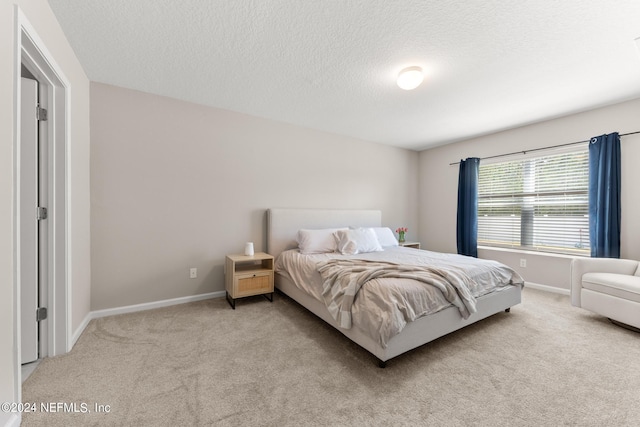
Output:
(41, 113)
(41, 213)
(41, 313)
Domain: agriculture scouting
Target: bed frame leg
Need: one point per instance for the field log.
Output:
(507, 310)
(382, 364)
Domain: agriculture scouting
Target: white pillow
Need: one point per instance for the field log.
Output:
(358, 241)
(385, 236)
(317, 241)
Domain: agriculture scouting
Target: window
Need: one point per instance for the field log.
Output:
(539, 203)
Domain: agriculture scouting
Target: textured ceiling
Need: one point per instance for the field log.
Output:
(331, 65)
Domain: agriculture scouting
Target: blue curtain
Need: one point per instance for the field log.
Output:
(467, 224)
(604, 196)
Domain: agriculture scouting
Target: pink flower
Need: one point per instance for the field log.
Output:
(402, 230)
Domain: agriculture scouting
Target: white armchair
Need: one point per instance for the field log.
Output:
(607, 286)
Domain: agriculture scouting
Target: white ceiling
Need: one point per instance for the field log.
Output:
(331, 64)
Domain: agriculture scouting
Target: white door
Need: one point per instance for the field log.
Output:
(28, 220)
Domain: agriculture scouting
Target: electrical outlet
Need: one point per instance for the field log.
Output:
(193, 273)
(523, 262)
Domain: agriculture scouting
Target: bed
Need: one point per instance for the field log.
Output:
(283, 226)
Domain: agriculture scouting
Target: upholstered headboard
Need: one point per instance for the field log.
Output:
(283, 224)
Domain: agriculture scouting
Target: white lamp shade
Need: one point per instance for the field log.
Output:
(410, 78)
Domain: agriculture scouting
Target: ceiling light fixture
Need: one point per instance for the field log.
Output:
(410, 78)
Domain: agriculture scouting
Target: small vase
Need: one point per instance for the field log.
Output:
(401, 237)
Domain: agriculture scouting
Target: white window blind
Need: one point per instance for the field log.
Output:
(537, 203)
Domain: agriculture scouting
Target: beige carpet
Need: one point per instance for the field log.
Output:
(545, 363)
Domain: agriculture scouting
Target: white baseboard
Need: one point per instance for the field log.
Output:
(547, 288)
(156, 304)
(140, 307)
(80, 329)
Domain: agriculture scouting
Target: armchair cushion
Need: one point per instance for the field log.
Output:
(616, 285)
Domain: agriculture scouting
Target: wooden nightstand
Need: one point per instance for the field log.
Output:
(246, 276)
(414, 245)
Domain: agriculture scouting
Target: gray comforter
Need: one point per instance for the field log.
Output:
(343, 278)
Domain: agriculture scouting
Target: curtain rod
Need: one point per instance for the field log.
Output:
(539, 149)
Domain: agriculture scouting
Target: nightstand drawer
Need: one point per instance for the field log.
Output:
(251, 284)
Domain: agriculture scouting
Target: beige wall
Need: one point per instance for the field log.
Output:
(176, 185)
(41, 17)
(438, 184)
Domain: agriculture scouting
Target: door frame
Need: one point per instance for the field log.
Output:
(31, 51)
